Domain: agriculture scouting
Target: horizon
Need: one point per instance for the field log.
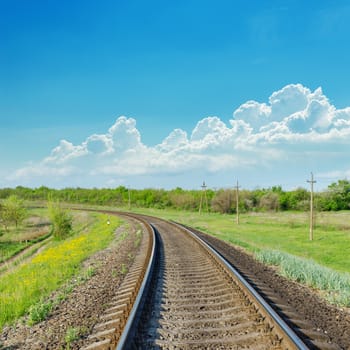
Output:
(200, 187)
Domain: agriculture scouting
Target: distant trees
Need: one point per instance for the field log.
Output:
(223, 201)
(336, 197)
(269, 201)
(298, 199)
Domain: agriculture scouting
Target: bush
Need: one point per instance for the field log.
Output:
(62, 220)
(38, 312)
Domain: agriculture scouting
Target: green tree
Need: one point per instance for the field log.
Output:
(12, 211)
(61, 218)
(298, 199)
(338, 196)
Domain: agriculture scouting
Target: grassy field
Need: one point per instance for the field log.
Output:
(285, 231)
(282, 239)
(30, 282)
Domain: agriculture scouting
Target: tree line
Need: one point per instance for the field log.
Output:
(335, 197)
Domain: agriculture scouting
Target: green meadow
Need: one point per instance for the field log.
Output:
(284, 231)
(282, 239)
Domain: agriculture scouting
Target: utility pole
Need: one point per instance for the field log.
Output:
(204, 193)
(237, 203)
(129, 201)
(311, 182)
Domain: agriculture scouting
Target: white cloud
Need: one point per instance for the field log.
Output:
(98, 144)
(124, 135)
(65, 152)
(294, 108)
(253, 113)
(289, 100)
(176, 139)
(297, 128)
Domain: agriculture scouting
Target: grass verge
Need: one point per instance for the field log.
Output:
(33, 281)
(334, 286)
(21, 257)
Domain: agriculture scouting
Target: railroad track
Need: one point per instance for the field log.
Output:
(188, 297)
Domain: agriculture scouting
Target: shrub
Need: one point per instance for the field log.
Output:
(72, 334)
(62, 220)
(38, 312)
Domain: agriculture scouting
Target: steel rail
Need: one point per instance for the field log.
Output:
(289, 337)
(282, 327)
(132, 321)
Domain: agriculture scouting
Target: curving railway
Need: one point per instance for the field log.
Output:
(181, 294)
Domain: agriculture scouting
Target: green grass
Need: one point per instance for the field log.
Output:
(334, 285)
(283, 239)
(39, 311)
(9, 249)
(28, 284)
(20, 259)
(286, 231)
(14, 240)
(72, 334)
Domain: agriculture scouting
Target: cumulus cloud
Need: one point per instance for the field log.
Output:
(65, 152)
(293, 109)
(124, 135)
(295, 123)
(176, 139)
(253, 113)
(98, 144)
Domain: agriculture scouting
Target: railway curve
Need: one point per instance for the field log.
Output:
(190, 299)
(182, 298)
(196, 303)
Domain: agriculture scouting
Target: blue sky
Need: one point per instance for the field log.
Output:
(69, 71)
